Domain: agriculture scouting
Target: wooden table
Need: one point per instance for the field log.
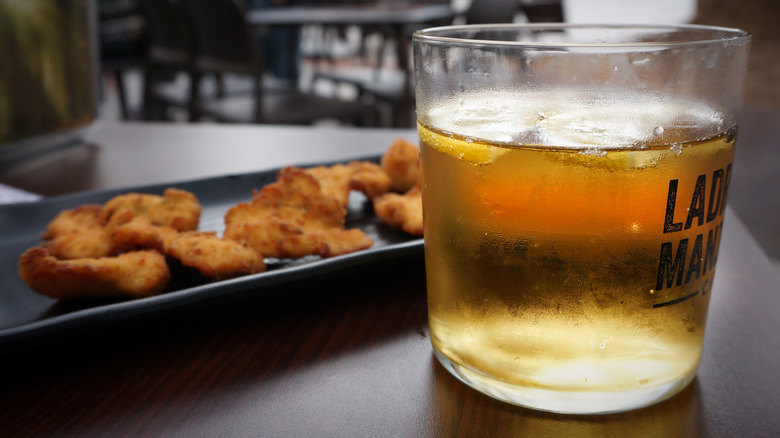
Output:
(346, 356)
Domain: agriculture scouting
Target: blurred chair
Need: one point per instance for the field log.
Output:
(376, 83)
(281, 47)
(371, 78)
(543, 11)
(492, 11)
(226, 43)
(123, 43)
(382, 87)
(169, 65)
(171, 79)
(366, 73)
(504, 11)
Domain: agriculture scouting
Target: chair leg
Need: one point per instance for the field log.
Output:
(258, 116)
(153, 108)
(219, 79)
(120, 86)
(193, 103)
(148, 101)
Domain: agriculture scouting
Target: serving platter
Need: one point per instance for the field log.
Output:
(26, 315)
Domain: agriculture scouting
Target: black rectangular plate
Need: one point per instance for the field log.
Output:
(26, 315)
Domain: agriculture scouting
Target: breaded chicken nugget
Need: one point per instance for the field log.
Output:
(369, 178)
(401, 162)
(339, 179)
(333, 180)
(292, 218)
(178, 209)
(216, 258)
(140, 233)
(135, 275)
(401, 211)
(212, 256)
(78, 233)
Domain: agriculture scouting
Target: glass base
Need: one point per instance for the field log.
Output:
(560, 401)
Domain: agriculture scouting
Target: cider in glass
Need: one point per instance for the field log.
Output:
(580, 267)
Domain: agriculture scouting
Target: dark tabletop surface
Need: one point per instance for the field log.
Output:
(345, 355)
(396, 12)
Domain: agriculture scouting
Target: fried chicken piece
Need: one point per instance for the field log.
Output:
(401, 162)
(178, 209)
(216, 258)
(333, 180)
(401, 211)
(134, 274)
(141, 233)
(369, 178)
(293, 218)
(77, 233)
(339, 179)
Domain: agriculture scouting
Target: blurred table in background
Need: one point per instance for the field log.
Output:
(117, 154)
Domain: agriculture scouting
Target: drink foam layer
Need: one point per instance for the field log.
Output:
(573, 120)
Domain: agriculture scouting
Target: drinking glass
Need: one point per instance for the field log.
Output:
(574, 182)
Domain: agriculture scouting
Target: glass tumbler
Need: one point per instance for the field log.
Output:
(574, 182)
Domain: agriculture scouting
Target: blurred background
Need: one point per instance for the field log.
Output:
(757, 16)
(756, 195)
(265, 61)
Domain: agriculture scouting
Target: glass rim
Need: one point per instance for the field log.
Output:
(444, 34)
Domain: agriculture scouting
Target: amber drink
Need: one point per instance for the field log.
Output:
(571, 238)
